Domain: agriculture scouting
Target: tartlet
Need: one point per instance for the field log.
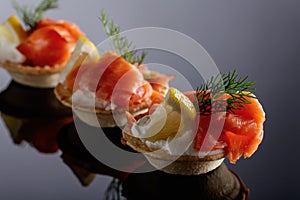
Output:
(97, 117)
(179, 143)
(115, 67)
(35, 54)
(100, 90)
(40, 77)
(174, 164)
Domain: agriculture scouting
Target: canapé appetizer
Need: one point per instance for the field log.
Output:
(36, 53)
(192, 133)
(100, 90)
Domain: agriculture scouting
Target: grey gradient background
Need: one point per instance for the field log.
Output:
(260, 38)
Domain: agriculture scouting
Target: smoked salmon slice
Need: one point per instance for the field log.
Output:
(243, 130)
(72, 28)
(241, 134)
(51, 43)
(113, 79)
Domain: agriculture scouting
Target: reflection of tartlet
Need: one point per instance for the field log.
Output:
(35, 56)
(37, 122)
(75, 154)
(219, 184)
(39, 133)
(177, 143)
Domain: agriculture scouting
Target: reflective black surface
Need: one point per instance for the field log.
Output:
(22, 101)
(258, 38)
(35, 117)
(220, 183)
(31, 165)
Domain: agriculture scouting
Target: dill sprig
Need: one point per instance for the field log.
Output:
(210, 95)
(121, 44)
(31, 16)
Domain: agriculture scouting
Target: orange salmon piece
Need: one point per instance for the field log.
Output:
(50, 43)
(242, 131)
(46, 46)
(72, 28)
(113, 79)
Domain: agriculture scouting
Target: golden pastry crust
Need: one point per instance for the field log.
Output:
(39, 77)
(34, 70)
(104, 118)
(184, 165)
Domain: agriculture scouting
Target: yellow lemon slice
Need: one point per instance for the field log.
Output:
(180, 103)
(13, 30)
(84, 52)
(173, 116)
(89, 47)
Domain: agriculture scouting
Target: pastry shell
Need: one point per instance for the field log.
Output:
(34, 76)
(161, 160)
(97, 117)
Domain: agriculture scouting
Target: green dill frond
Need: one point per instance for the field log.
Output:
(210, 95)
(121, 44)
(31, 16)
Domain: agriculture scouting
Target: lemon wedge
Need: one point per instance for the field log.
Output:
(12, 30)
(170, 119)
(11, 35)
(180, 103)
(85, 51)
(89, 47)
